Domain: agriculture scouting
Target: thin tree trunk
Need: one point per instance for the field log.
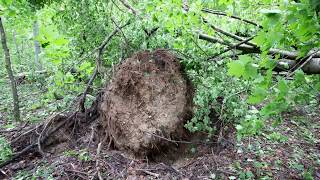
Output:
(36, 45)
(16, 110)
(16, 46)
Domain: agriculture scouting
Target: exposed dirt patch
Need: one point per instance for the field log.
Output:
(148, 97)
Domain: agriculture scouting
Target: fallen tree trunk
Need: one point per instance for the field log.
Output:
(247, 49)
(311, 67)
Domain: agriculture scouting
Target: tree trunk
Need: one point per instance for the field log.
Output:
(36, 45)
(16, 110)
(16, 46)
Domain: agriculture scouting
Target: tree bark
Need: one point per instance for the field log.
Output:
(36, 45)
(16, 110)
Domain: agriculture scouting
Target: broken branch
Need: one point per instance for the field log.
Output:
(232, 16)
(230, 48)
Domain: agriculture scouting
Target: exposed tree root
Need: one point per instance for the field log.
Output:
(48, 129)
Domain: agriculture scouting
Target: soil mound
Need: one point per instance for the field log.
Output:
(146, 103)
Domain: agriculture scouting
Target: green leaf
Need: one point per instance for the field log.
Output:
(260, 38)
(11, 13)
(225, 2)
(60, 41)
(243, 67)
(6, 2)
(258, 95)
(236, 68)
(251, 71)
(69, 78)
(283, 87)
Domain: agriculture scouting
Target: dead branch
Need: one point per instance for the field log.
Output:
(14, 129)
(76, 171)
(242, 47)
(23, 134)
(229, 34)
(235, 46)
(149, 172)
(246, 49)
(35, 144)
(181, 142)
(42, 134)
(214, 12)
(98, 162)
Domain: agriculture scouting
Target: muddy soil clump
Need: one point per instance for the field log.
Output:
(147, 103)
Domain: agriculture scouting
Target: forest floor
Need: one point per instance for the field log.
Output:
(288, 151)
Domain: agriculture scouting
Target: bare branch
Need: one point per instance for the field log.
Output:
(229, 34)
(246, 49)
(232, 16)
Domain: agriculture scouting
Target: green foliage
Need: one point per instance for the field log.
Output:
(82, 155)
(211, 85)
(243, 91)
(243, 68)
(41, 172)
(277, 137)
(5, 150)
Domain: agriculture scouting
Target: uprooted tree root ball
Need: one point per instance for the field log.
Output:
(144, 106)
(148, 101)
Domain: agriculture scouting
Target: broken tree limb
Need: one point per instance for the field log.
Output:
(230, 48)
(229, 34)
(241, 47)
(212, 39)
(288, 57)
(310, 67)
(206, 10)
(246, 49)
(100, 49)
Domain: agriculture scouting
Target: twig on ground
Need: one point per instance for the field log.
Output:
(149, 172)
(14, 129)
(23, 134)
(171, 168)
(118, 6)
(76, 171)
(176, 142)
(97, 161)
(45, 137)
(42, 133)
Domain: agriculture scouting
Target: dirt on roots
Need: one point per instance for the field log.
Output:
(148, 101)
